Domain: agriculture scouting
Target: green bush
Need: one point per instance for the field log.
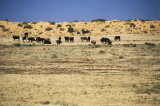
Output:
(25, 23)
(52, 23)
(33, 23)
(61, 29)
(70, 30)
(152, 26)
(98, 20)
(103, 30)
(2, 26)
(132, 25)
(48, 28)
(20, 25)
(28, 27)
(149, 44)
(59, 25)
(85, 31)
(4, 30)
(17, 44)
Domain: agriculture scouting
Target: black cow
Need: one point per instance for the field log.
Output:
(39, 39)
(24, 38)
(71, 39)
(58, 42)
(26, 34)
(66, 39)
(31, 39)
(117, 37)
(86, 38)
(16, 37)
(106, 40)
(46, 41)
(59, 38)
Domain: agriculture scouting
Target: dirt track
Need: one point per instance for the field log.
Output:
(80, 74)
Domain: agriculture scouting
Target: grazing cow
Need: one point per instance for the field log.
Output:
(93, 42)
(46, 41)
(106, 40)
(39, 39)
(117, 37)
(88, 39)
(26, 34)
(31, 39)
(58, 42)
(66, 39)
(59, 38)
(83, 38)
(71, 39)
(24, 38)
(16, 37)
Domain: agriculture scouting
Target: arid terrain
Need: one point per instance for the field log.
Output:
(97, 27)
(126, 73)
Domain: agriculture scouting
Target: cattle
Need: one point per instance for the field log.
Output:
(59, 38)
(117, 37)
(24, 38)
(26, 34)
(83, 38)
(39, 39)
(106, 40)
(88, 39)
(66, 39)
(16, 37)
(58, 42)
(31, 39)
(93, 42)
(47, 42)
(71, 39)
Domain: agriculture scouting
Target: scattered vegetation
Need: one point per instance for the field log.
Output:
(4, 30)
(17, 44)
(2, 26)
(61, 29)
(103, 30)
(28, 27)
(132, 25)
(25, 23)
(59, 25)
(152, 26)
(48, 28)
(98, 20)
(85, 31)
(149, 44)
(20, 25)
(70, 30)
(102, 52)
(52, 23)
(33, 23)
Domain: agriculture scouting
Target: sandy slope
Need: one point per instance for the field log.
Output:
(95, 28)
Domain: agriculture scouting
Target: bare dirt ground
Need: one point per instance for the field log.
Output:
(80, 74)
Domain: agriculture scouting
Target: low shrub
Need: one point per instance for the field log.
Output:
(152, 26)
(48, 28)
(59, 25)
(28, 27)
(149, 44)
(70, 30)
(20, 25)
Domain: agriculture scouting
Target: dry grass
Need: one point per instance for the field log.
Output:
(79, 74)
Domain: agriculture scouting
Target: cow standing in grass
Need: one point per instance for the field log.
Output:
(86, 38)
(71, 39)
(46, 41)
(66, 39)
(106, 40)
(117, 38)
(93, 42)
(16, 37)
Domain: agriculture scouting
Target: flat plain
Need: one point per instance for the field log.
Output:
(81, 74)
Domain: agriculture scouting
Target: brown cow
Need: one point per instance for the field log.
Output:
(93, 42)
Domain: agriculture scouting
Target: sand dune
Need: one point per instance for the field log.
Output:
(95, 28)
